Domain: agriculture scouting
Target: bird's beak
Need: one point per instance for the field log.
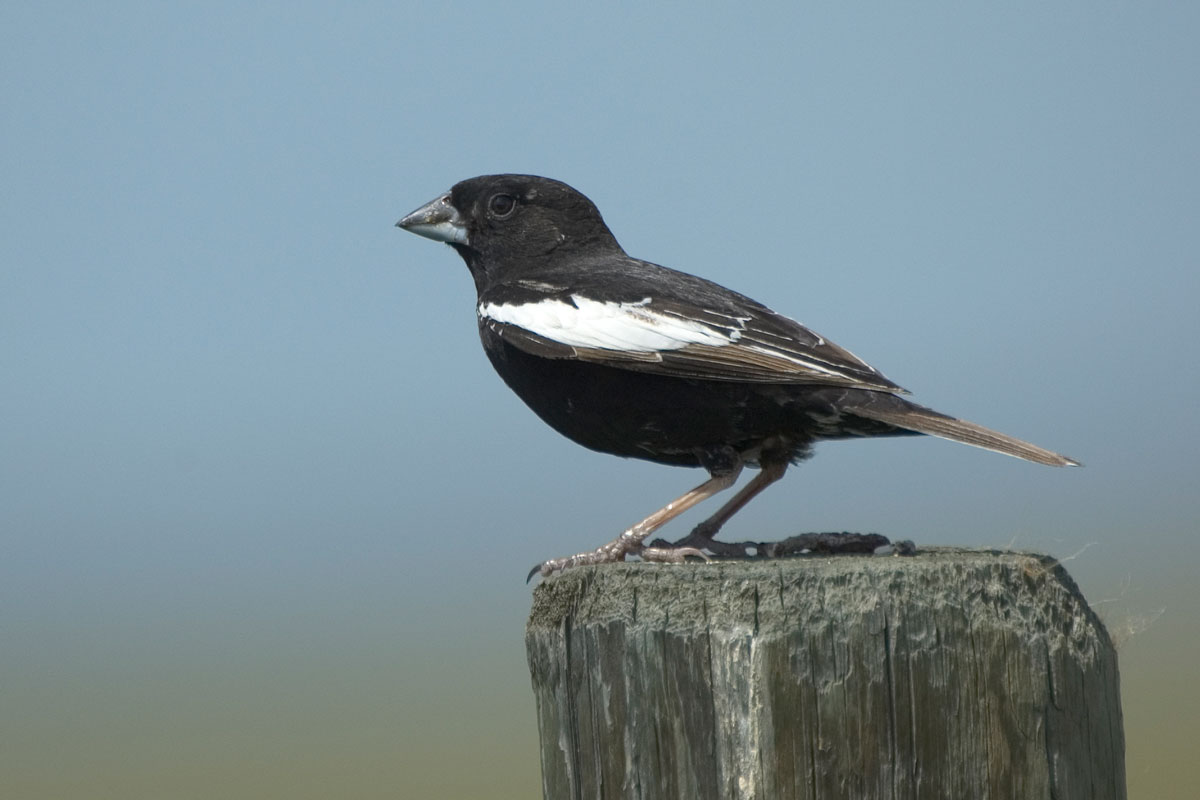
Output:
(438, 220)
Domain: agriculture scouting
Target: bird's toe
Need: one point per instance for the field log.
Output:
(671, 555)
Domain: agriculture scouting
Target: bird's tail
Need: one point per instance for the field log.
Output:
(910, 416)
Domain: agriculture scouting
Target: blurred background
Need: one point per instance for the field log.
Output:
(265, 510)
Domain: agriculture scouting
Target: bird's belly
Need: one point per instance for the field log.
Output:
(658, 418)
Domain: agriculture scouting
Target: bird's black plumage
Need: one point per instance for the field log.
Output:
(639, 360)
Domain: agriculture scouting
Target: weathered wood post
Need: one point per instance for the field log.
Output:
(949, 674)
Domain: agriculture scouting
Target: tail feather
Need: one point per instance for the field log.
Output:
(913, 417)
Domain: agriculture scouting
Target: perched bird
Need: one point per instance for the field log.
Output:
(639, 360)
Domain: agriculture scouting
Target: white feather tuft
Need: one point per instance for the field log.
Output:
(630, 327)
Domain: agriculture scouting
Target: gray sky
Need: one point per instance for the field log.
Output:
(265, 511)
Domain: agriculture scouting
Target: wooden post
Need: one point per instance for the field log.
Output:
(949, 674)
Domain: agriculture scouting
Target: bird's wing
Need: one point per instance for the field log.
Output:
(659, 329)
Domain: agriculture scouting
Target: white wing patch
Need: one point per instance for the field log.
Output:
(609, 326)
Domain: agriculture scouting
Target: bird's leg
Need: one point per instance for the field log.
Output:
(702, 535)
(630, 541)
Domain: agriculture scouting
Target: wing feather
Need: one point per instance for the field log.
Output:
(672, 339)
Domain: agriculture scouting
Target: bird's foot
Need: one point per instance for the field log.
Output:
(617, 550)
(702, 538)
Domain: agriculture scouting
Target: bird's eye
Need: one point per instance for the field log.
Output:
(501, 205)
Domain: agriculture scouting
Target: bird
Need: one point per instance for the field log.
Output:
(639, 360)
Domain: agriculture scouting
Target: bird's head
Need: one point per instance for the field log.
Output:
(511, 222)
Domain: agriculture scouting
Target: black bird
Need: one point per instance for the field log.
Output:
(638, 360)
